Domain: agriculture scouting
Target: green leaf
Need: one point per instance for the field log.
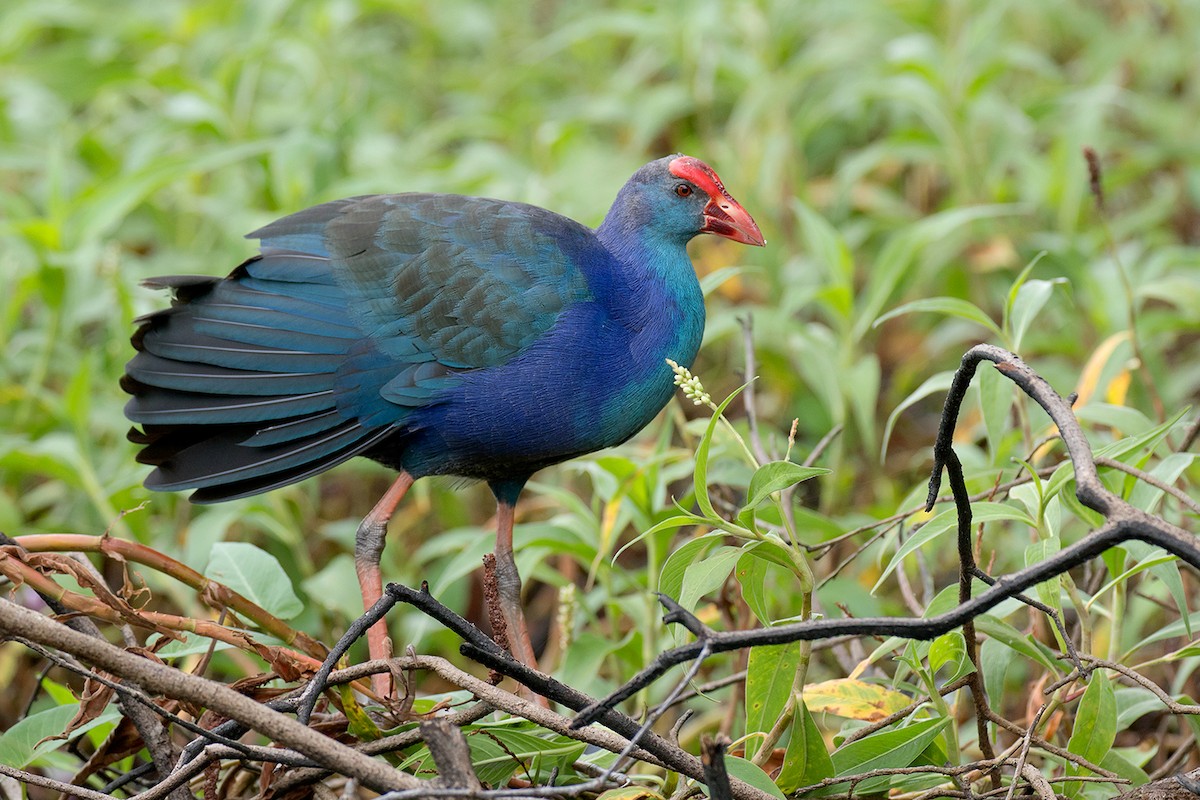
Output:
(701, 474)
(995, 403)
(255, 574)
(670, 581)
(1095, 728)
(671, 523)
(950, 648)
(1030, 299)
(944, 521)
(805, 761)
(752, 774)
(1016, 287)
(708, 575)
(1118, 450)
(900, 252)
(1115, 761)
(886, 749)
(1133, 703)
(949, 306)
(751, 574)
(775, 476)
(29, 738)
(770, 675)
(1016, 641)
(933, 385)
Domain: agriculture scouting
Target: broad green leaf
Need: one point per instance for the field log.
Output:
(900, 252)
(775, 476)
(950, 648)
(713, 280)
(751, 574)
(1117, 450)
(1049, 590)
(29, 738)
(805, 761)
(770, 674)
(1015, 640)
(948, 306)
(1015, 289)
(1127, 421)
(255, 574)
(1095, 727)
(752, 774)
(630, 793)
(498, 752)
(773, 550)
(1147, 497)
(994, 660)
(707, 575)
(1116, 760)
(1133, 703)
(887, 749)
(670, 581)
(827, 245)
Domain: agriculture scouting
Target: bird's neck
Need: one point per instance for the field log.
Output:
(653, 291)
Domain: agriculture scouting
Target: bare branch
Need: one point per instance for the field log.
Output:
(16, 620)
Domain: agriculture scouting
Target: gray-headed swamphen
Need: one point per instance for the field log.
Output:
(434, 333)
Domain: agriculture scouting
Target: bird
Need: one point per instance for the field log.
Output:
(436, 334)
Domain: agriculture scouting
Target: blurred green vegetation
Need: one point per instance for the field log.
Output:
(891, 152)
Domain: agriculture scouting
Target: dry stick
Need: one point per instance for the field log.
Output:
(967, 570)
(891, 719)
(136, 699)
(1176, 760)
(1141, 680)
(828, 544)
(450, 754)
(114, 610)
(1026, 743)
(305, 776)
(69, 789)
(712, 753)
(1146, 477)
(479, 647)
(1124, 522)
(1053, 749)
(211, 592)
(16, 620)
(152, 732)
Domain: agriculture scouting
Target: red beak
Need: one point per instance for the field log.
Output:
(723, 215)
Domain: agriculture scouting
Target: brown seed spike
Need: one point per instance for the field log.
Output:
(1095, 175)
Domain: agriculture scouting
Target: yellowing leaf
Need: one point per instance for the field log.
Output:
(854, 699)
(1089, 383)
(1089, 379)
(631, 793)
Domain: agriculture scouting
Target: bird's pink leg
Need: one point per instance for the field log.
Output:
(508, 582)
(368, 550)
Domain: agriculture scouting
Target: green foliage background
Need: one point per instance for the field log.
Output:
(891, 152)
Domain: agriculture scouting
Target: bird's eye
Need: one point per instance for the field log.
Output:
(683, 190)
